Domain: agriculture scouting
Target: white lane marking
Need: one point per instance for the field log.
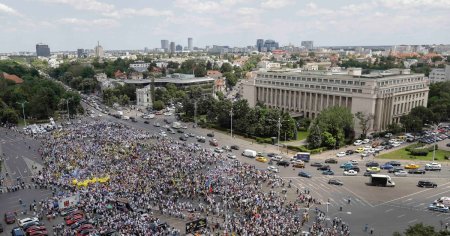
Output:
(368, 203)
(409, 195)
(400, 216)
(408, 200)
(432, 196)
(389, 210)
(411, 221)
(362, 203)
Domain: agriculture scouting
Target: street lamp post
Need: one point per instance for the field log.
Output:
(231, 114)
(23, 111)
(434, 144)
(279, 129)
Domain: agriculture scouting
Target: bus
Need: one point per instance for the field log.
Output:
(303, 156)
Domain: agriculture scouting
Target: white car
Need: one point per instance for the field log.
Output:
(354, 162)
(433, 166)
(358, 142)
(24, 221)
(365, 154)
(163, 134)
(231, 156)
(341, 154)
(100, 115)
(277, 158)
(401, 173)
(396, 144)
(218, 150)
(273, 169)
(366, 141)
(350, 173)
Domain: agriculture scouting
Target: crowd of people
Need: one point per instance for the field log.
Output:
(150, 178)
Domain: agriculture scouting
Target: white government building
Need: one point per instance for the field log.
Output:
(387, 95)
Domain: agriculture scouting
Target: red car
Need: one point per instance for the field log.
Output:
(39, 233)
(74, 219)
(85, 227)
(77, 212)
(35, 228)
(10, 217)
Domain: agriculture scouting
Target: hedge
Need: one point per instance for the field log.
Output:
(305, 149)
(419, 152)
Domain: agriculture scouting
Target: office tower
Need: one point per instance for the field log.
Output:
(42, 50)
(99, 51)
(270, 45)
(190, 44)
(165, 45)
(308, 45)
(172, 47)
(259, 44)
(179, 48)
(80, 53)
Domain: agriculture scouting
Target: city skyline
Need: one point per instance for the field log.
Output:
(71, 24)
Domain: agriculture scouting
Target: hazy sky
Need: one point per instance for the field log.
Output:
(135, 24)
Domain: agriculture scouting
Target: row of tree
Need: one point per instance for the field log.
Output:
(41, 97)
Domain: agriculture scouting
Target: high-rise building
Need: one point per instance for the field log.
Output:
(165, 44)
(270, 45)
(179, 48)
(172, 47)
(190, 44)
(80, 52)
(42, 50)
(99, 51)
(259, 44)
(308, 45)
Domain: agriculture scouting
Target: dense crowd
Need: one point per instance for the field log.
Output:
(159, 177)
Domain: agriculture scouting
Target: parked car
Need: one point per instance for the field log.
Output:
(358, 142)
(327, 172)
(324, 167)
(349, 152)
(316, 164)
(433, 166)
(273, 169)
(210, 135)
(438, 207)
(283, 163)
(401, 173)
(341, 154)
(304, 174)
(417, 171)
(335, 182)
(412, 166)
(374, 169)
(24, 221)
(10, 217)
(331, 161)
(386, 166)
(350, 173)
(368, 173)
(394, 163)
(235, 147)
(372, 164)
(231, 156)
(395, 169)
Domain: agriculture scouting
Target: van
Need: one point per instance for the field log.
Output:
(249, 153)
(426, 184)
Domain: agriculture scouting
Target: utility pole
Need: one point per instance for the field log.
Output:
(195, 113)
(231, 114)
(279, 129)
(434, 144)
(23, 111)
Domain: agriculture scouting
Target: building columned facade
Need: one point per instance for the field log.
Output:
(387, 95)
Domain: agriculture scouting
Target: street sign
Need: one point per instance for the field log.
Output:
(195, 225)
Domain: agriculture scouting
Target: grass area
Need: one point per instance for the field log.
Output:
(302, 135)
(402, 154)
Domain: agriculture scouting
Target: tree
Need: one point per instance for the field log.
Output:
(411, 123)
(328, 140)
(231, 79)
(209, 65)
(421, 230)
(394, 128)
(226, 67)
(158, 105)
(364, 122)
(315, 136)
(200, 71)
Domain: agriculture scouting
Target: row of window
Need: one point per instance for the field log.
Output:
(400, 81)
(408, 97)
(406, 107)
(311, 79)
(403, 89)
(309, 86)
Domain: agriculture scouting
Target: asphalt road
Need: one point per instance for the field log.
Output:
(384, 209)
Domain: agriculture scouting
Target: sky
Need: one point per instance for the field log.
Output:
(136, 24)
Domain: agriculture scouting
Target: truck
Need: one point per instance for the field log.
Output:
(302, 156)
(249, 153)
(381, 180)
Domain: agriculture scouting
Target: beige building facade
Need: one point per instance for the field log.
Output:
(387, 95)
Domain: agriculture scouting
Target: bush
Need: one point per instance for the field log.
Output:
(305, 149)
(264, 140)
(419, 152)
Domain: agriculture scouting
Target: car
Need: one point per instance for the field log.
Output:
(31, 224)
(355, 168)
(218, 150)
(235, 147)
(433, 166)
(180, 131)
(365, 154)
(316, 164)
(304, 174)
(85, 227)
(226, 148)
(231, 156)
(35, 228)
(276, 158)
(359, 150)
(262, 159)
(448, 145)
(78, 224)
(341, 154)
(17, 232)
(324, 167)
(358, 142)
(283, 163)
(438, 207)
(350, 173)
(394, 163)
(182, 138)
(298, 164)
(327, 172)
(335, 182)
(10, 217)
(366, 141)
(401, 173)
(386, 166)
(374, 169)
(354, 162)
(388, 135)
(349, 152)
(412, 166)
(75, 218)
(331, 161)
(417, 171)
(395, 169)
(24, 221)
(426, 184)
(210, 135)
(146, 122)
(39, 233)
(259, 154)
(271, 154)
(347, 164)
(372, 164)
(213, 142)
(156, 125)
(273, 169)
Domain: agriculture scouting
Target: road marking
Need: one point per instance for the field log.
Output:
(19, 172)
(437, 194)
(411, 221)
(409, 199)
(400, 216)
(409, 195)
(368, 203)
(389, 210)
(362, 203)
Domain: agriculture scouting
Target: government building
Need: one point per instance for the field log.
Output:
(387, 94)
